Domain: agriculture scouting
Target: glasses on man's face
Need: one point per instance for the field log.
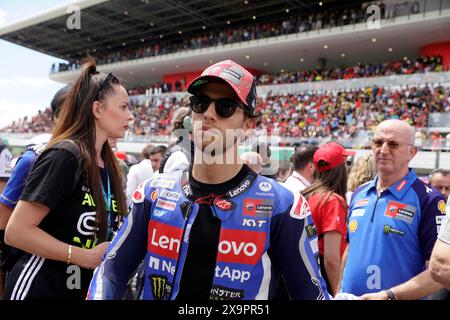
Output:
(392, 144)
(225, 108)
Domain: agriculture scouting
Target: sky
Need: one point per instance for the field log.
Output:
(25, 86)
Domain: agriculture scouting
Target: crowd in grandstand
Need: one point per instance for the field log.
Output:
(295, 24)
(42, 122)
(159, 87)
(342, 113)
(301, 115)
(397, 67)
(406, 66)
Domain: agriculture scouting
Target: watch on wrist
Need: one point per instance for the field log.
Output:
(390, 294)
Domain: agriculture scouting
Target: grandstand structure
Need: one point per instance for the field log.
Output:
(169, 42)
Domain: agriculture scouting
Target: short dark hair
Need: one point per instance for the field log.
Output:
(302, 156)
(158, 149)
(58, 99)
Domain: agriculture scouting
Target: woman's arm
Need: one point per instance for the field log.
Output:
(341, 272)
(332, 259)
(23, 232)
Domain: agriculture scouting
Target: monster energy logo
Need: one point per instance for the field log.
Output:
(160, 287)
(311, 230)
(388, 229)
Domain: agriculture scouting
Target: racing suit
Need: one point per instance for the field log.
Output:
(263, 235)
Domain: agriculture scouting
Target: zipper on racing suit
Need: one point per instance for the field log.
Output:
(186, 218)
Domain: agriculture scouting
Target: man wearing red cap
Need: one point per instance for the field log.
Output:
(218, 230)
(393, 223)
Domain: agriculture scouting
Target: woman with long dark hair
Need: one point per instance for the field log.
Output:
(326, 198)
(73, 197)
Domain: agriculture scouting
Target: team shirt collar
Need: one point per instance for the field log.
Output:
(399, 188)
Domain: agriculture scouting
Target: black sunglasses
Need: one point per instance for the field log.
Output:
(225, 108)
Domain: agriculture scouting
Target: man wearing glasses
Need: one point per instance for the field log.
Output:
(393, 223)
(218, 230)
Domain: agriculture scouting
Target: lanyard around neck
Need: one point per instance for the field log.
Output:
(107, 194)
(107, 197)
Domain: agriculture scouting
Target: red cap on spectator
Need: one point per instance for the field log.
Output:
(238, 78)
(121, 155)
(333, 153)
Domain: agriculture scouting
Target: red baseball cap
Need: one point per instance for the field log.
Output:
(237, 77)
(333, 153)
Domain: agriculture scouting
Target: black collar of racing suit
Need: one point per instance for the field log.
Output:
(236, 190)
(221, 205)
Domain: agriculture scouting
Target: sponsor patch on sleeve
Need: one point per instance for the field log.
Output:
(163, 183)
(171, 195)
(311, 230)
(154, 195)
(164, 239)
(138, 195)
(301, 210)
(165, 204)
(441, 206)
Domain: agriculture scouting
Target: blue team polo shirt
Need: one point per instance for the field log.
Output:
(16, 182)
(390, 237)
